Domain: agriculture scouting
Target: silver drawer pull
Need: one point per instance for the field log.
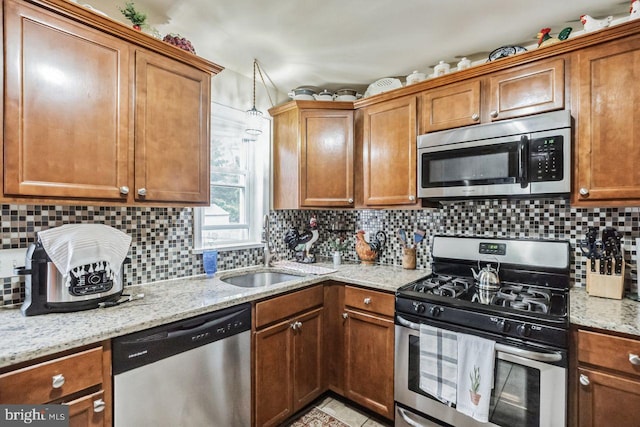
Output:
(584, 380)
(98, 405)
(367, 300)
(634, 359)
(345, 315)
(124, 190)
(57, 381)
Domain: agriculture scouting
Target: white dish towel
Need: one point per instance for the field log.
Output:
(438, 363)
(476, 359)
(75, 245)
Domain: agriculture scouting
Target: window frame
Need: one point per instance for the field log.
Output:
(257, 185)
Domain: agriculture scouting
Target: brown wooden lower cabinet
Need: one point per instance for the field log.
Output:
(607, 380)
(288, 356)
(328, 337)
(369, 345)
(81, 380)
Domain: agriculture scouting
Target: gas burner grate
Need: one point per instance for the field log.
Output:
(523, 298)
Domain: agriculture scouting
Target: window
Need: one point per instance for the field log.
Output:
(239, 183)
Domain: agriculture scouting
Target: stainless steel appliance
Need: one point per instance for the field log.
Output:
(518, 157)
(526, 317)
(47, 291)
(194, 372)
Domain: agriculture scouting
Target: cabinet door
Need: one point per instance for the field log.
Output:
(389, 153)
(273, 374)
(608, 135)
(326, 158)
(369, 361)
(307, 359)
(87, 411)
(66, 115)
(171, 131)
(599, 401)
(526, 90)
(449, 107)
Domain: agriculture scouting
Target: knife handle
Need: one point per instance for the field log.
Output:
(601, 261)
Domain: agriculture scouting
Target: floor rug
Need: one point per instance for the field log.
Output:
(317, 418)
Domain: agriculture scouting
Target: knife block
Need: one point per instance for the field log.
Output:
(603, 285)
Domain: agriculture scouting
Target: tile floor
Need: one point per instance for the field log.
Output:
(347, 414)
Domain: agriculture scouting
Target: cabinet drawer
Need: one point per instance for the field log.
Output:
(35, 384)
(609, 352)
(368, 300)
(285, 306)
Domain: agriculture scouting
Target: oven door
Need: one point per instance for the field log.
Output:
(526, 392)
(496, 166)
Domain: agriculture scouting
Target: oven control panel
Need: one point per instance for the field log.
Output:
(492, 248)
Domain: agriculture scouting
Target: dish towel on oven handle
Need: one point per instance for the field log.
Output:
(73, 246)
(476, 360)
(438, 363)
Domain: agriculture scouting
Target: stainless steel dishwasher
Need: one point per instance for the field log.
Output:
(194, 372)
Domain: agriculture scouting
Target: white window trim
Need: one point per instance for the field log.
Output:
(259, 196)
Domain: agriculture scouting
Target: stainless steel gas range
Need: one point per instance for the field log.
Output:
(522, 307)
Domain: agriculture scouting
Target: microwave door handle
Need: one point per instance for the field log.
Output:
(523, 160)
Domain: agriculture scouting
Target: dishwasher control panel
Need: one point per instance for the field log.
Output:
(144, 347)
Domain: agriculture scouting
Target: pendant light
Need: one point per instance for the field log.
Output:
(254, 116)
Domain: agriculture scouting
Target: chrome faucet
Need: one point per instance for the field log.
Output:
(270, 253)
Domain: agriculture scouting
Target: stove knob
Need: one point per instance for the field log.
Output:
(524, 330)
(503, 325)
(435, 311)
(419, 307)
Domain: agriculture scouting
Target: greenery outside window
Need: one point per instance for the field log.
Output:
(239, 183)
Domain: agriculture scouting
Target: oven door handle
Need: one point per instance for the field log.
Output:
(405, 416)
(527, 354)
(407, 323)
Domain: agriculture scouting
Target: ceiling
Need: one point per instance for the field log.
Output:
(338, 44)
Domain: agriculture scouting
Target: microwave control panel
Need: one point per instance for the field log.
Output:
(545, 159)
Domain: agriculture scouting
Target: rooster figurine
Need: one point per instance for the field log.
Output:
(368, 251)
(592, 24)
(302, 243)
(544, 39)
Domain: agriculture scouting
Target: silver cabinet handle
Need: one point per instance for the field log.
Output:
(584, 191)
(98, 405)
(298, 325)
(367, 301)
(412, 198)
(350, 201)
(345, 315)
(634, 359)
(294, 326)
(57, 381)
(124, 190)
(584, 380)
(475, 117)
(142, 191)
(493, 114)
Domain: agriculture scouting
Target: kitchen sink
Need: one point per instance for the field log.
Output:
(259, 278)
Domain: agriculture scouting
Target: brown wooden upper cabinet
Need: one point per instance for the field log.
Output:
(171, 130)
(606, 92)
(70, 130)
(518, 91)
(389, 153)
(313, 155)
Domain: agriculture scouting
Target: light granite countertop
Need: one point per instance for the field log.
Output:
(26, 338)
(604, 313)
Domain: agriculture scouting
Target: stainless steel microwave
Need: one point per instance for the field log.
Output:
(528, 156)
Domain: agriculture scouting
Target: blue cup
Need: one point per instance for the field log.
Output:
(210, 261)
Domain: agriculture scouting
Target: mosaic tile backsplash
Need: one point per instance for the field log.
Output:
(163, 237)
